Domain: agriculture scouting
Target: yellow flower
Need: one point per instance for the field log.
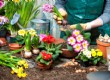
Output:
(19, 75)
(24, 74)
(15, 70)
(32, 32)
(20, 69)
(26, 65)
(12, 72)
(21, 62)
(16, 1)
(93, 54)
(22, 32)
(97, 50)
(99, 53)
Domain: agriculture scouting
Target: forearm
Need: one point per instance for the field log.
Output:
(104, 18)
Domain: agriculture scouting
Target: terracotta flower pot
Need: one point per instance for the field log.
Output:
(3, 42)
(14, 46)
(68, 54)
(59, 41)
(102, 46)
(44, 66)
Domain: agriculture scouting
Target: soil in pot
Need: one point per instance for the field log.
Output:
(102, 46)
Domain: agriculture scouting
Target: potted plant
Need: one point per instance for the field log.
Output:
(47, 44)
(89, 57)
(76, 41)
(44, 60)
(35, 43)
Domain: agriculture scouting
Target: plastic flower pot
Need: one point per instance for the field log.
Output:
(68, 54)
(102, 46)
(44, 66)
(14, 46)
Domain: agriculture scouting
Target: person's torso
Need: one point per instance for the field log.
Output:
(82, 11)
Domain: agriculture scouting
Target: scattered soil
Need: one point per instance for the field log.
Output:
(66, 72)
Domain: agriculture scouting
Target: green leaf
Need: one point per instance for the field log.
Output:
(55, 56)
(78, 27)
(39, 57)
(69, 47)
(68, 33)
(58, 46)
(95, 61)
(87, 35)
(44, 62)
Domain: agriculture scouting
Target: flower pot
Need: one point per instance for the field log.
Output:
(44, 66)
(14, 46)
(3, 42)
(102, 46)
(68, 54)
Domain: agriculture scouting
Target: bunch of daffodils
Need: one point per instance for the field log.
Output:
(17, 65)
(93, 56)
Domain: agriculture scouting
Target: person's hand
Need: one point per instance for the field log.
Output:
(82, 25)
(64, 15)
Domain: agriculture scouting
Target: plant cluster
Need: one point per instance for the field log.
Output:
(17, 65)
(47, 44)
(77, 39)
(44, 58)
(92, 56)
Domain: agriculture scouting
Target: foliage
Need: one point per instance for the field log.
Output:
(16, 64)
(44, 57)
(20, 12)
(93, 56)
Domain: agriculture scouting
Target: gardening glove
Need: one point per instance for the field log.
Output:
(64, 15)
(85, 26)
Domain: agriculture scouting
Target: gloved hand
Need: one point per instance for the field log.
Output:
(64, 15)
(85, 26)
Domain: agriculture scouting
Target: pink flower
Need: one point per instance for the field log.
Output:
(85, 44)
(75, 32)
(71, 40)
(77, 47)
(1, 3)
(3, 20)
(42, 36)
(79, 38)
(48, 8)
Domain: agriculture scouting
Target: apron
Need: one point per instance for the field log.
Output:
(82, 11)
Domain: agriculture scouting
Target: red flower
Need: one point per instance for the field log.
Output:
(48, 39)
(46, 56)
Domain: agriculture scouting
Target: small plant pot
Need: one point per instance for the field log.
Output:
(68, 54)
(102, 46)
(44, 66)
(3, 42)
(59, 41)
(14, 46)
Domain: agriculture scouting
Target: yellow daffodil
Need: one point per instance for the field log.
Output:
(97, 50)
(20, 69)
(24, 74)
(15, 70)
(26, 65)
(21, 62)
(99, 53)
(12, 72)
(22, 32)
(19, 75)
